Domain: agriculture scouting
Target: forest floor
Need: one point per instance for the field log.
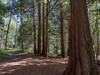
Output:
(28, 64)
(32, 65)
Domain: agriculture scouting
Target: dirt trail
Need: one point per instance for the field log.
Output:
(28, 64)
(32, 65)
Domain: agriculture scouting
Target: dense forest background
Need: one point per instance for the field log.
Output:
(20, 30)
(62, 28)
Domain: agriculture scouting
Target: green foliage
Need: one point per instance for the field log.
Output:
(2, 12)
(3, 54)
(25, 34)
(3, 8)
(25, 31)
(45, 1)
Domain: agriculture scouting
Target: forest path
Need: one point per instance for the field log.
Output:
(32, 65)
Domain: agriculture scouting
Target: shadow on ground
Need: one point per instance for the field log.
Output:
(32, 65)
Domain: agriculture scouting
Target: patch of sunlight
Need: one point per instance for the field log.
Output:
(99, 57)
(44, 64)
(4, 72)
(14, 63)
(38, 64)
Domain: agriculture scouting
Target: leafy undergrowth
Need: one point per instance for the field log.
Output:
(3, 54)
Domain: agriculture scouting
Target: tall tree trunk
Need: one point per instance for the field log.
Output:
(47, 10)
(62, 30)
(81, 54)
(44, 30)
(39, 28)
(6, 40)
(34, 28)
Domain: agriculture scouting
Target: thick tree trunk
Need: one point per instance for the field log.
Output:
(39, 28)
(81, 54)
(34, 28)
(44, 30)
(47, 10)
(62, 30)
